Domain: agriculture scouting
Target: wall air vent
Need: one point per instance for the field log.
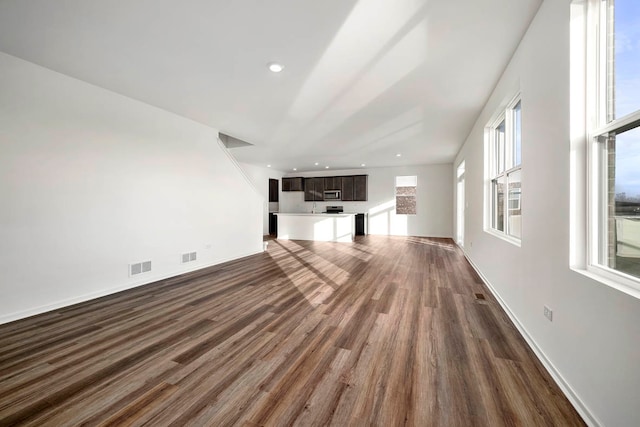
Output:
(139, 268)
(189, 257)
(146, 266)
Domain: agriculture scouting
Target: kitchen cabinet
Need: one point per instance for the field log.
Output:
(352, 188)
(273, 224)
(273, 190)
(347, 188)
(332, 182)
(318, 189)
(292, 184)
(314, 189)
(360, 224)
(308, 190)
(360, 188)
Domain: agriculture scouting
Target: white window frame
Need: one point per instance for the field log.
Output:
(415, 197)
(599, 127)
(506, 115)
(515, 199)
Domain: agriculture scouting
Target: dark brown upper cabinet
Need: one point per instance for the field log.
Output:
(308, 189)
(318, 189)
(332, 182)
(360, 188)
(353, 187)
(347, 188)
(273, 190)
(292, 184)
(314, 189)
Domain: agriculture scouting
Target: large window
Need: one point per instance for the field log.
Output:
(406, 195)
(505, 172)
(614, 187)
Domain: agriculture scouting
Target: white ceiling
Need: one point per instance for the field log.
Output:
(363, 79)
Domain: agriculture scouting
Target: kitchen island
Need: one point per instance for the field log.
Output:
(324, 227)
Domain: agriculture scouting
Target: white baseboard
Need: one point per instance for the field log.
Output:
(568, 391)
(98, 294)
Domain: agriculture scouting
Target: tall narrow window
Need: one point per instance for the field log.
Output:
(460, 204)
(505, 171)
(615, 148)
(406, 195)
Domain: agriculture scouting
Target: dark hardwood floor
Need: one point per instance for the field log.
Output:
(386, 331)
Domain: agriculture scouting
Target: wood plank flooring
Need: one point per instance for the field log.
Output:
(386, 331)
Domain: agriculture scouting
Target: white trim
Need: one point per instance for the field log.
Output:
(505, 114)
(579, 162)
(233, 160)
(568, 391)
(396, 195)
(595, 73)
(504, 236)
(613, 278)
(94, 295)
(625, 123)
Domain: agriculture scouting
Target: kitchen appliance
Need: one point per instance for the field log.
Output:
(334, 209)
(332, 195)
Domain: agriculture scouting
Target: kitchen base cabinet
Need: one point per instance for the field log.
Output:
(318, 227)
(273, 224)
(360, 224)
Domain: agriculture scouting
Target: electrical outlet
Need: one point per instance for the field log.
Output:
(548, 313)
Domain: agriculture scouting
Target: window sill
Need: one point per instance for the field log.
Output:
(612, 280)
(505, 237)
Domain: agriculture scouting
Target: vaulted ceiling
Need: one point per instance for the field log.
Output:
(364, 80)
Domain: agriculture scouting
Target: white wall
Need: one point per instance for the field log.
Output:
(434, 212)
(260, 176)
(593, 343)
(91, 181)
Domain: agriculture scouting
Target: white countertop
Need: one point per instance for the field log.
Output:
(313, 214)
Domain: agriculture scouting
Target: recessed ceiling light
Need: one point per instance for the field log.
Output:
(275, 67)
(268, 166)
(326, 167)
(398, 155)
(316, 163)
(363, 165)
(295, 169)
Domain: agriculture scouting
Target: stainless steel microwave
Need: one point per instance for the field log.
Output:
(332, 195)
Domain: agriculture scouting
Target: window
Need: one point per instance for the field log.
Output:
(406, 195)
(505, 170)
(614, 181)
(460, 204)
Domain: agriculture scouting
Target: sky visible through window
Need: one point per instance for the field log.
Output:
(627, 93)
